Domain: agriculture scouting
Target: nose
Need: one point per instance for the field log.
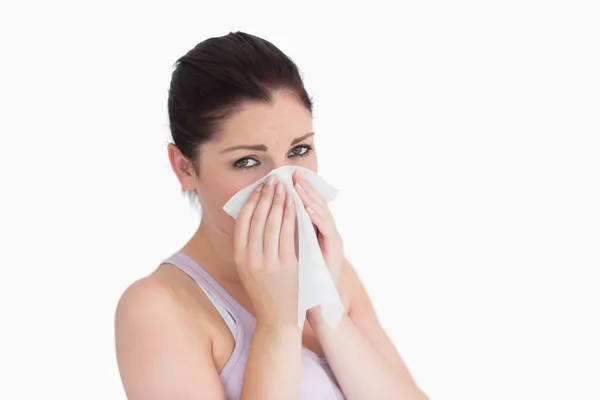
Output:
(280, 162)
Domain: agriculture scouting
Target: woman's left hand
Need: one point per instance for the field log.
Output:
(327, 233)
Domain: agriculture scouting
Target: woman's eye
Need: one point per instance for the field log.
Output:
(300, 151)
(245, 163)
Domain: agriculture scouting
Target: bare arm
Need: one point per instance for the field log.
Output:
(361, 355)
(274, 364)
(163, 355)
(268, 267)
(160, 354)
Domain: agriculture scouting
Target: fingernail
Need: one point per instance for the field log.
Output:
(309, 210)
(299, 187)
(290, 201)
(279, 188)
(270, 180)
(259, 187)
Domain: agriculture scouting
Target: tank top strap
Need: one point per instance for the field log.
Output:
(213, 289)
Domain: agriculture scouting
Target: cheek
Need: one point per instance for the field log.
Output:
(311, 163)
(214, 193)
(227, 190)
(220, 189)
(231, 189)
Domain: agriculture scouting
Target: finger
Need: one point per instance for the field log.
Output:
(310, 191)
(259, 219)
(326, 227)
(274, 222)
(307, 200)
(242, 223)
(323, 222)
(320, 216)
(287, 240)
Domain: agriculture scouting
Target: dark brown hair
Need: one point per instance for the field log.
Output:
(213, 79)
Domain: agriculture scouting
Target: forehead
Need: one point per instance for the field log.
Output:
(285, 118)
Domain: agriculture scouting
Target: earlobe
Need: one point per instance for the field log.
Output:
(181, 167)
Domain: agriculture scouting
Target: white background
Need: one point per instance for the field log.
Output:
(464, 137)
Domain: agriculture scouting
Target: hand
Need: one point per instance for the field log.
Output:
(328, 236)
(265, 254)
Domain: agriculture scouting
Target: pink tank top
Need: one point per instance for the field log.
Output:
(318, 381)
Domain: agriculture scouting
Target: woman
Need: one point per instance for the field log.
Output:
(218, 318)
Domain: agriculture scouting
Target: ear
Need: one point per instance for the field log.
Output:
(183, 168)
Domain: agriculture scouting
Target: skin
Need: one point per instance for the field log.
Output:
(171, 342)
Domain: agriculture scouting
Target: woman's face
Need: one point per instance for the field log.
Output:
(252, 142)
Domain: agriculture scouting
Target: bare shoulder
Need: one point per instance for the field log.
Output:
(147, 295)
(160, 350)
(154, 296)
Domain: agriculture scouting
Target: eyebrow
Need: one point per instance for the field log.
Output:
(262, 147)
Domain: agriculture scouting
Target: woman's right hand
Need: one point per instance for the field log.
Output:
(265, 254)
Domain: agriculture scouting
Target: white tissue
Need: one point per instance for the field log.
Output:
(315, 284)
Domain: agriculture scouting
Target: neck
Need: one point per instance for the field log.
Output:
(213, 249)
